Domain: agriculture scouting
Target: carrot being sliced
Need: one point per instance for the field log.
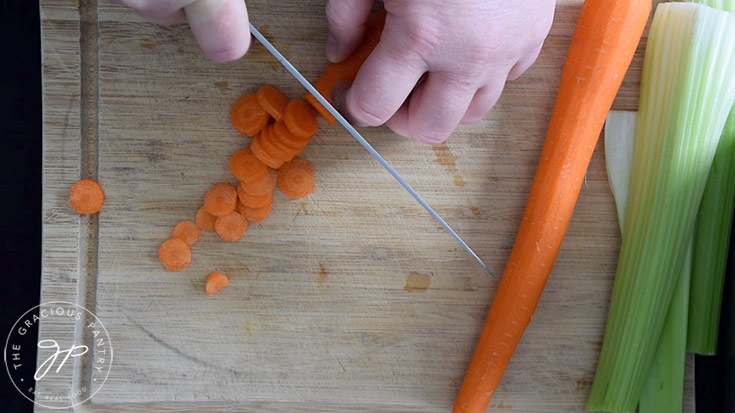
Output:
(605, 38)
(245, 166)
(274, 149)
(174, 254)
(262, 186)
(247, 116)
(272, 100)
(205, 220)
(231, 226)
(254, 201)
(86, 196)
(215, 282)
(186, 231)
(348, 68)
(255, 214)
(299, 118)
(288, 139)
(220, 200)
(296, 178)
(257, 147)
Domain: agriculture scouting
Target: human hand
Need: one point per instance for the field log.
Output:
(220, 26)
(438, 63)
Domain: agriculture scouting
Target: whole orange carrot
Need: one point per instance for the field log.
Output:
(604, 41)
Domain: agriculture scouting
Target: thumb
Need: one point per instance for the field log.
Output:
(346, 20)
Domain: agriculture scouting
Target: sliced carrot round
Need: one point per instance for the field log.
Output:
(245, 166)
(220, 200)
(260, 153)
(205, 220)
(262, 186)
(254, 201)
(255, 214)
(284, 136)
(86, 196)
(215, 282)
(174, 254)
(300, 119)
(296, 178)
(231, 226)
(319, 108)
(272, 100)
(247, 116)
(276, 150)
(186, 231)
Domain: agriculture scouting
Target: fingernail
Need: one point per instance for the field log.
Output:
(332, 48)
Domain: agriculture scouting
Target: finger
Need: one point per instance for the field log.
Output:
(382, 85)
(485, 98)
(435, 109)
(221, 28)
(159, 11)
(522, 65)
(173, 18)
(346, 20)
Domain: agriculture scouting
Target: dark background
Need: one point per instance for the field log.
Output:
(20, 197)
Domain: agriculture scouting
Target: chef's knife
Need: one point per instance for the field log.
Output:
(355, 134)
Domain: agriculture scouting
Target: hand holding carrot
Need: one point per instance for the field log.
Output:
(466, 49)
(220, 26)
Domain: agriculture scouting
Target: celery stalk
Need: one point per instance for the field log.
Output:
(687, 90)
(664, 388)
(711, 242)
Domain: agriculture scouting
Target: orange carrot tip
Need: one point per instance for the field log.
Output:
(220, 200)
(174, 254)
(247, 116)
(296, 178)
(205, 220)
(231, 227)
(215, 282)
(245, 166)
(300, 119)
(186, 231)
(86, 196)
(272, 100)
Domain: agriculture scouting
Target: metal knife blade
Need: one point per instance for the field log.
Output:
(355, 134)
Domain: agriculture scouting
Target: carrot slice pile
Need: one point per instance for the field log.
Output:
(262, 186)
(267, 158)
(86, 196)
(277, 150)
(300, 119)
(186, 231)
(247, 116)
(231, 226)
(254, 201)
(220, 200)
(215, 282)
(174, 254)
(205, 220)
(272, 100)
(255, 214)
(284, 137)
(245, 166)
(296, 178)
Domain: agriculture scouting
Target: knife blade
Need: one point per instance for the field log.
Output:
(365, 144)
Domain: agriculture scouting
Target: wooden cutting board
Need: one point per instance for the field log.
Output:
(351, 299)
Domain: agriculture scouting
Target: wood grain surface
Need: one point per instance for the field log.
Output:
(352, 299)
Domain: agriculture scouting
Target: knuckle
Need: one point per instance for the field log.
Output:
(430, 136)
(368, 112)
(337, 13)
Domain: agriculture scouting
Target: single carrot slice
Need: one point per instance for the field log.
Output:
(231, 226)
(255, 214)
(288, 139)
(254, 201)
(86, 196)
(215, 282)
(299, 118)
(296, 178)
(275, 150)
(174, 254)
(186, 231)
(272, 100)
(257, 147)
(205, 220)
(247, 116)
(262, 186)
(220, 200)
(245, 166)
